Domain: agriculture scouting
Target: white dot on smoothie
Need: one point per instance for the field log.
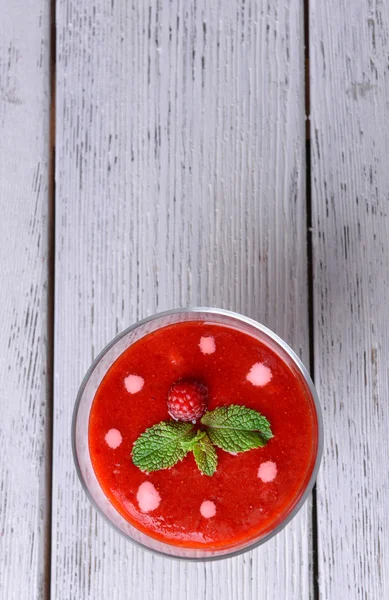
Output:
(134, 383)
(259, 375)
(207, 345)
(113, 438)
(208, 509)
(267, 471)
(148, 497)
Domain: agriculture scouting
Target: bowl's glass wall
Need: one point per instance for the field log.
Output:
(92, 381)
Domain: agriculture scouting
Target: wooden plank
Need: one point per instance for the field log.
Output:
(350, 183)
(180, 180)
(24, 148)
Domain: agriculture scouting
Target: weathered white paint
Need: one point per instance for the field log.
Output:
(24, 148)
(180, 180)
(350, 178)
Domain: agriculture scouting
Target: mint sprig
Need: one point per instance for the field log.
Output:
(162, 445)
(205, 455)
(232, 428)
(237, 428)
(193, 442)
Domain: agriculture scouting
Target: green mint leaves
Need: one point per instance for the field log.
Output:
(162, 445)
(232, 428)
(237, 428)
(205, 455)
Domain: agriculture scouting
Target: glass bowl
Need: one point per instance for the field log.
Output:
(87, 393)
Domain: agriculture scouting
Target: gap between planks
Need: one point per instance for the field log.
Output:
(310, 290)
(50, 305)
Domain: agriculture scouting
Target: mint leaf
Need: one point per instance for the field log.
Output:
(237, 428)
(190, 444)
(232, 428)
(162, 445)
(205, 455)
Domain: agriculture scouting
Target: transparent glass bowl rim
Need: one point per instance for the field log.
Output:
(296, 360)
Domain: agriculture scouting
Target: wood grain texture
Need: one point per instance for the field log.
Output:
(350, 193)
(180, 173)
(24, 118)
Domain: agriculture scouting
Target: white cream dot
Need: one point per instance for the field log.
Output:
(208, 509)
(207, 344)
(267, 471)
(134, 383)
(259, 375)
(148, 497)
(113, 438)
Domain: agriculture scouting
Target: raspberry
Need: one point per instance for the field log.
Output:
(187, 400)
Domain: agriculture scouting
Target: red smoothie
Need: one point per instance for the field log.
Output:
(251, 492)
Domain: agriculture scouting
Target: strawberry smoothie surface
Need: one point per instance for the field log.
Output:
(251, 492)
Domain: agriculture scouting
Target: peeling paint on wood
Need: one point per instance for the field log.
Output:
(24, 112)
(180, 173)
(350, 196)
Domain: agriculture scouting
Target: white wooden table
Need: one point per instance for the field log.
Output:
(155, 154)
